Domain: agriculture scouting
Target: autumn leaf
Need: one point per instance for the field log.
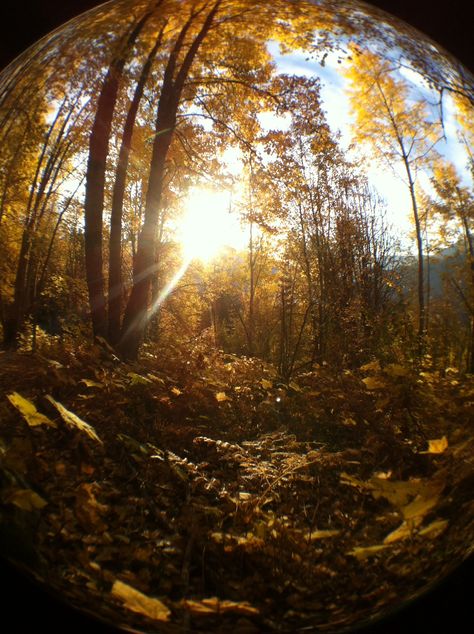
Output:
(295, 387)
(374, 383)
(434, 529)
(74, 421)
(136, 601)
(138, 379)
(437, 445)
(420, 506)
(90, 383)
(323, 534)
(221, 397)
(367, 551)
(28, 410)
(88, 509)
(267, 385)
(373, 366)
(404, 531)
(25, 499)
(214, 605)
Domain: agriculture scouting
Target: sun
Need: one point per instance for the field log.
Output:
(209, 224)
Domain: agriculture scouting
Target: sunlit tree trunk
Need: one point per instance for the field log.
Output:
(95, 180)
(135, 318)
(115, 289)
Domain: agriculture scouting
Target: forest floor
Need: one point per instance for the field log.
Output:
(196, 492)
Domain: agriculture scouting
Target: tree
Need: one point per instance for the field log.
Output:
(95, 175)
(455, 206)
(115, 240)
(398, 128)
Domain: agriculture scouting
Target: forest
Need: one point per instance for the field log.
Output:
(237, 314)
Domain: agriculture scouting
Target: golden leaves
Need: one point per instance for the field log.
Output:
(221, 397)
(136, 601)
(28, 410)
(413, 499)
(73, 421)
(438, 445)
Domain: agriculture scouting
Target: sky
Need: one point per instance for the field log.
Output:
(388, 181)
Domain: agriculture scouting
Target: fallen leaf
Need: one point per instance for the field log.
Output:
(26, 500)
(221, 396)
(397, 492)
(373, 366)
(138, 379)
(90, 383)
(28, 410)
(438, 445)
(374, 383)
(420, 506)
(403, 531)
(88, 509)
(367, 551)
(315, 535)
(267, 385)
(434, 529)
(136, 601)
(295, 387)
(214, 605)
(153, 377)
(74, 421)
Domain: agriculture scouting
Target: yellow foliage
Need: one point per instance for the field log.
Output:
(28, 410)
(74, 421)
(438, 445)
(138, 602)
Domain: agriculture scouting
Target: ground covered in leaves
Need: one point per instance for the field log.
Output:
(197, 492)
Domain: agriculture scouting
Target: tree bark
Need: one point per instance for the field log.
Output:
(421, 272)
(136, 317)
(115, 242)
(95, 180)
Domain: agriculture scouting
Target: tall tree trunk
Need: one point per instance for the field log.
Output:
(136, 317)
(115, 241)
(421, 272)
(95, 180)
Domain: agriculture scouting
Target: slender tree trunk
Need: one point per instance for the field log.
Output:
(115, 241)
(136, 317)
(251, 326)
(95, 181)
(421, 272)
